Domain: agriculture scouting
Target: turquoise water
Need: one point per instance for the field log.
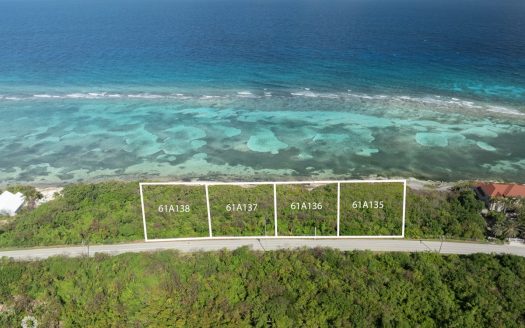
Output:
(248, 135)
(259, 90)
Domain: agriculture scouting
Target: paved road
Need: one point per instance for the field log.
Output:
(379, 245)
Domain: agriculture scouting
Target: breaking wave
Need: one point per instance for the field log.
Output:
(433, 101)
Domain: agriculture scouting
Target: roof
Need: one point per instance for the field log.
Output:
(503, 190)
(10, 203)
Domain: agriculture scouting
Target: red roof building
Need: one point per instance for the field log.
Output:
(503, 190)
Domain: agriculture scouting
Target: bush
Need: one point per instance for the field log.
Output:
(97, 213)
(455, 214)
(300, 288)
(110, 212)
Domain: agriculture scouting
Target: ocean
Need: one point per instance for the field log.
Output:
(261, 89)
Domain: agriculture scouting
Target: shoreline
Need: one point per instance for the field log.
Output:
(412, 182)
(48, 189)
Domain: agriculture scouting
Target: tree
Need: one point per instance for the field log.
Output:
(32, 195)
(510, 228)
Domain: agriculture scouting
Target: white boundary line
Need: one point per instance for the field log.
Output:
(274, 183)
(338, 207)
(404, 208)
(209, 210)
(143, 214)
(200, 183)
(272, 237)
(275, 208)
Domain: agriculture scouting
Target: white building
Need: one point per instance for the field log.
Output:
(10, 203)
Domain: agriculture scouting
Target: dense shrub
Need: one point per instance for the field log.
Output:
(96, 213)
(455, 214)
(304, 288)
(110, 212)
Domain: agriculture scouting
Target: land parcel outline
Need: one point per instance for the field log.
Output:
(372, 209)
(295, 209)
(242, 210)
(175, 211)
(307, 209)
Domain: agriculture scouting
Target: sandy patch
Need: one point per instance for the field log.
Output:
(49, 194)
(429, 185)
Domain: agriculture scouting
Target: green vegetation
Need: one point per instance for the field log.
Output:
(242, 210)
(371, 209)
(509, 222)
(175, 211)
(106, 212)
(453, 215)
(110, 212)
(303, 288)
(306, 210)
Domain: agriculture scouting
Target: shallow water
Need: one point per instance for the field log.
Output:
(259, 90)
(50, 141)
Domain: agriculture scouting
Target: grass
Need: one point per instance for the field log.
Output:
(370, 209)
(307, 210)
(175, 211)
(242, 210)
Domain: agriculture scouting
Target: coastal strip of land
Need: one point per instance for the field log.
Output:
(109, 213)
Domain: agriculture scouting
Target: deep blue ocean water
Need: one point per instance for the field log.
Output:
(216, 89)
